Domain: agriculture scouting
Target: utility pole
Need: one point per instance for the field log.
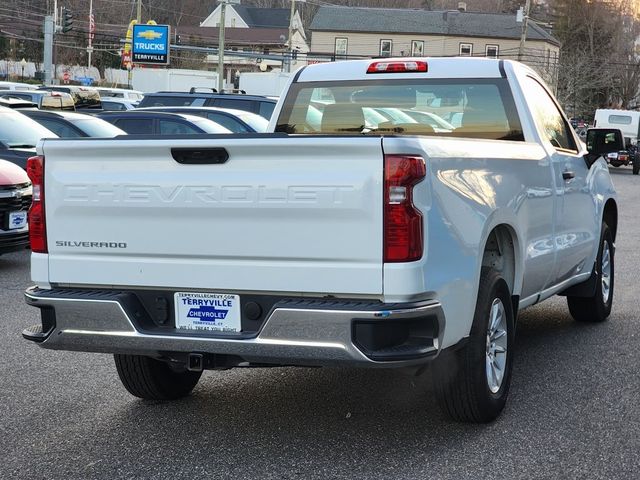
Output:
(48, 49)
(91, 30)
(287, 64)
(223, 10)
(525, 25)
(139, 14)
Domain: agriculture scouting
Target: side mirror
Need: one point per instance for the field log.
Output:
(604, 140)
(601, 141)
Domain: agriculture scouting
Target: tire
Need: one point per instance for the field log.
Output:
(636, 165)
(598, 307)
(151, 379)
(464, 386)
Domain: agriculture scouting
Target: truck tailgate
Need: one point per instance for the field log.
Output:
(281, 214)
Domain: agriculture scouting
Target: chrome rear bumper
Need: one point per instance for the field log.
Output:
(289, 336)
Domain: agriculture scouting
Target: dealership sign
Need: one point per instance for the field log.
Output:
(150, 44)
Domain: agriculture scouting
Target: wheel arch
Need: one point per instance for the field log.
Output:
(501, 252)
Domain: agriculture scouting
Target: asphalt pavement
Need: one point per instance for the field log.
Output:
(573, 410)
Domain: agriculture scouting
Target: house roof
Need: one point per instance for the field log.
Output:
(263, 17)
(234, 36)
(426, 22)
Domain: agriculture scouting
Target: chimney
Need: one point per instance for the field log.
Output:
(462, 6)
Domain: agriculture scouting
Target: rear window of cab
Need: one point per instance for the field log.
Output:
(474, 108)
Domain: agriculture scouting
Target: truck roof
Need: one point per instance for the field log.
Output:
(448, 67)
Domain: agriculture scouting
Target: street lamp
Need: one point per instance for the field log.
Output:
(23, 63)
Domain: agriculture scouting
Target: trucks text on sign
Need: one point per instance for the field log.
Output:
(150, 44)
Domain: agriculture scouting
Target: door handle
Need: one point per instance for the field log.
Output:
(200, 156)
(568, 175)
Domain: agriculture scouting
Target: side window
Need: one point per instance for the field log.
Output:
(112, 106)
(266, 109)
(548, 117)
(171, 127)
(59, 128)
(246, 105)
(169, 101)
(228, 122)
(141, 126)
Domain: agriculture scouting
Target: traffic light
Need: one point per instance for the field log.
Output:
(67, 20)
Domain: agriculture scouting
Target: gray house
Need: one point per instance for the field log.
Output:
(351, 32)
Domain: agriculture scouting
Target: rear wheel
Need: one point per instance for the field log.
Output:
(598, 307)
(472, 383)
(151, 379)
(636, 164)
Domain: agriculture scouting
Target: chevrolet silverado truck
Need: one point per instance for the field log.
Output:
(354, 233)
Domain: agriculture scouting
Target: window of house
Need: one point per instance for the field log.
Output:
(386, 47)
(417, 48)
(466, 49)
(492, 51)
(340, 49)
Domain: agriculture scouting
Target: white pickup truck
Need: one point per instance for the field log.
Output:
(401, 212)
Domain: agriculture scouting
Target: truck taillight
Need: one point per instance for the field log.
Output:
(37, 224)
(403, 225)
(398, 66)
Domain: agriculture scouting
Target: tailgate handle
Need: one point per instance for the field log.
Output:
(200, 156)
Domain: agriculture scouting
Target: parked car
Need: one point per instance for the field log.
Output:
(15, 200)
(117, 104)
(11, 102)
(161, 123)
(344, 246)
(263, 106)
(122, 93)
(44, 99)
(17, 86)
(73, 124)
(19, 136)
(238, 121)
(84, 97)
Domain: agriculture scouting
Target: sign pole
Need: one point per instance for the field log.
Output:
(223, 8)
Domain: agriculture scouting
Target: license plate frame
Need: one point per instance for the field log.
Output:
(17, 220)
(207, 312)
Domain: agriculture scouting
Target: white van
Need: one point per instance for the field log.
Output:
(626, 120)
(17, 86)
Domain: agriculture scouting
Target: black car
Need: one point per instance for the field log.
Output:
(74, 125)
(19, 136)
(238, 121)
(161, 123)
(263, 106)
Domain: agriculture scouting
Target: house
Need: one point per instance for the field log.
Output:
(351, 32)
(260, 33)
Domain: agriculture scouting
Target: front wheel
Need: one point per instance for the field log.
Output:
(598, 307)
(151, 379)
(472, 383)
